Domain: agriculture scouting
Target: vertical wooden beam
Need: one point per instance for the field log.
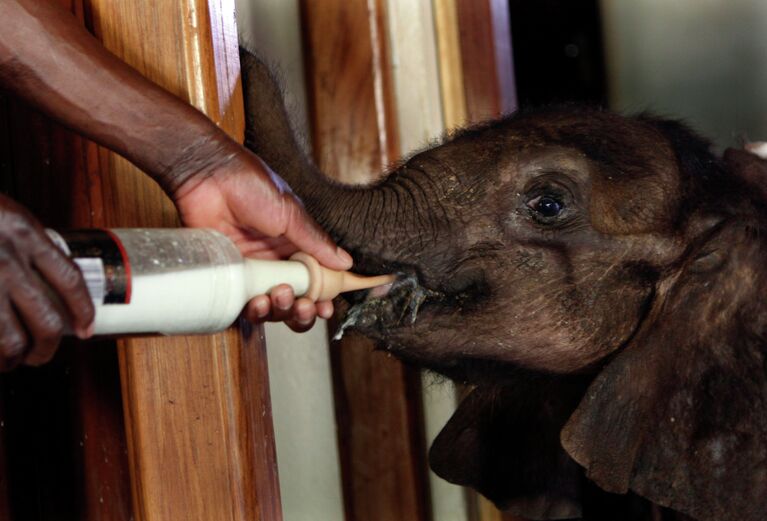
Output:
(61, 426)
(197, 408)
(489, 90)
(67, 416)
(423, 38)
(355, 136)
(450, 66)
(353, 121)
(488, 70)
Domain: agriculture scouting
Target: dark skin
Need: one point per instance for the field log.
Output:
(598, 279)
(215, 183)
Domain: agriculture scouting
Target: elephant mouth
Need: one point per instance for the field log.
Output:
(381, 311)
(387, 307)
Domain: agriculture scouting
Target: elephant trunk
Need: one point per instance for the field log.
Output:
(370, 221)
(364, 219)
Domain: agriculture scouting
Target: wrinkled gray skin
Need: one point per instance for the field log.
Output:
(647, 283)
(459, 217)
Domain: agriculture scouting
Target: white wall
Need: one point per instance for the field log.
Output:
(299, 365)
(702, 60)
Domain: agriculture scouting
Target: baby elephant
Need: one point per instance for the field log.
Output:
(599, 280)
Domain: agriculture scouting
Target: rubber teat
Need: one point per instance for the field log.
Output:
(326, 284)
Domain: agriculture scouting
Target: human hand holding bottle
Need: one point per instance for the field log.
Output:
(42, 292)
(213, 180)
(241, 197)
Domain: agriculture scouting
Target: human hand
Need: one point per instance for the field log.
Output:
(242, 198)
(42, 292)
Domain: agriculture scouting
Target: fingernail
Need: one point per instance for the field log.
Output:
(85, 333)
(283, 302)
(344, 256)
(262, 308)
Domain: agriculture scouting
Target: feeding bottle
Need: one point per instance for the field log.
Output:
(183, 280)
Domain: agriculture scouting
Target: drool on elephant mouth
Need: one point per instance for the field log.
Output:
(379, 310)
(598, 279)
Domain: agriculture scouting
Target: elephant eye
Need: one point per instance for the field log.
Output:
(546, 206)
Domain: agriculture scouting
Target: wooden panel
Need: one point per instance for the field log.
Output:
(354, 135)
(489, 90)
(418, 68)
(210, 457)
(61, 425)
(354, 127)
(488, 71)
(450, 67)
(197, 408)
(415, 76)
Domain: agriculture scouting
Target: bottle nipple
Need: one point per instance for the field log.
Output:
(325, 284)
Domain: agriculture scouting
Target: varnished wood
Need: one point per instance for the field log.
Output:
(418, 70)
(450, 66)
(197, 408)
(212, 457)
(415, 73)
(488, 80)
(355, 136)
(488, 71)
(354, 128)
(101, 451)
(61, 425)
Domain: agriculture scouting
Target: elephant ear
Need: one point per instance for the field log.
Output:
(749, 166)
(680, 415)
(504, 441)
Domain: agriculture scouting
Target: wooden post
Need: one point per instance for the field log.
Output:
(355, 136)
(199, 441)
(488, 70)
(490, 91)
(197, 408)
(61, 425)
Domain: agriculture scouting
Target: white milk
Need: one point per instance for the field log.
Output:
(172, 281)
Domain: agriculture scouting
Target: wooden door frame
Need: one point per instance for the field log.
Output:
(197, 420)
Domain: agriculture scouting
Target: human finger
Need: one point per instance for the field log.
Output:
(13, 338)
(282, 300)
(325, 309)
(63, 275)
(303, 317)
(258, 309)
(41, 316)
(308, 237)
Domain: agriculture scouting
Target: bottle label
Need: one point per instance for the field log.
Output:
(103, 261)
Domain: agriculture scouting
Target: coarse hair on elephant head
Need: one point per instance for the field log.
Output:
(598, 280)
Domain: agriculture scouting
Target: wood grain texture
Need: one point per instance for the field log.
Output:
(489, 91)
(353, 123)
(450, 66)
(488, 71)
(355, 135)
(197, 408)
(62, 424)
(418, 70)
(213, 456)
(415, 73)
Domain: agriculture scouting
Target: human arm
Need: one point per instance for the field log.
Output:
(50, 61)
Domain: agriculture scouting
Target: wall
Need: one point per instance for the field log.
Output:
(701, 60)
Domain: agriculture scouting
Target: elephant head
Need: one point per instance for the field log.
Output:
(599, 279)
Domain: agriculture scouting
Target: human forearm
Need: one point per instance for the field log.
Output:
(53, 63)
